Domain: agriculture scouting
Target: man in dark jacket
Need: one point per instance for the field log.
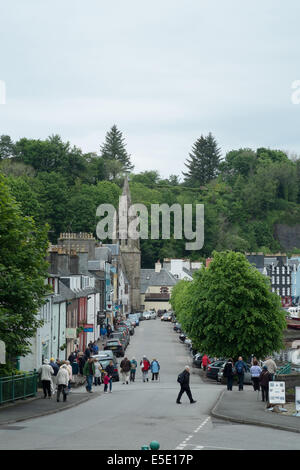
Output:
(240, 368)
(125, 369)
(184, 380)
(228, 373)
(110, 370)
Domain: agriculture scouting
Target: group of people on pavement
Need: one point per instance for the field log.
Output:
(56, 377)
(261, 374)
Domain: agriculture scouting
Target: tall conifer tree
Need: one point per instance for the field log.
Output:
(203, 162)
(114, 148)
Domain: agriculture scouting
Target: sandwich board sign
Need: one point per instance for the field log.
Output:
(277, 393)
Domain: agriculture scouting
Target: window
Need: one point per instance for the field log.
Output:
(283, 270)
(277, 270)
(278, 291)
(283, 291)
(288, 291)
(283, 280)
(288, 280)
(273, 279)
(277, 280)
(273, 289)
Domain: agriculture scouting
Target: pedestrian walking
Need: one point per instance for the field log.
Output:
(106, 381)
(205, 361)
(89, 372)
(87, 353)
(97, 376)
(145, 366)
(264, 379)
(72, 357)
(155, 368)
(271, 366)
(228, 372)
(133, 366)
(240, 368)
(110, 370)
(95, 348)
(69, 367)
(55, 368)
(46, 372)
(62, 382)
(125, 366)
(255, 371)
(184, 381)
(109, 330)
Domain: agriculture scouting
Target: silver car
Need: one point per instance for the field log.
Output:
(247, 375)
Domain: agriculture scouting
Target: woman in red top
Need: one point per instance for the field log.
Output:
(145, 366)
(205, 361)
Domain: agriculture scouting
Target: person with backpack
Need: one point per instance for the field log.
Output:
(184, 381)
(133, 366)
(145, 366)
(240, 368)
(155, 367)
(228, 372)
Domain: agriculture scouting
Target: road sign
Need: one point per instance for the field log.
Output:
(277, 393)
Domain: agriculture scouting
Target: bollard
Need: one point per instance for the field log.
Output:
(154, 445)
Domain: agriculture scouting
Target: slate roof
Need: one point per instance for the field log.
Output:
(150, 278)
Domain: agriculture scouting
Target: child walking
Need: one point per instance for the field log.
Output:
(106, 381)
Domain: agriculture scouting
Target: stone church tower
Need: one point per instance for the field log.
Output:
(130, 253)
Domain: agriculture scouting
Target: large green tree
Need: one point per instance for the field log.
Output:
(23, 270)
(228, 309)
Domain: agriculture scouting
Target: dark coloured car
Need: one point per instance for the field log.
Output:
(121, 336)
(124, 329)
(116, 346)
(213, 369)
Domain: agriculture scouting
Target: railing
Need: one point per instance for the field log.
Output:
(284, 369)
(15, 387)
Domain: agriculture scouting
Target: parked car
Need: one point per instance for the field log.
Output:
(129, 325)
(104, 361)
(247, 375)
(153, 315)
(213, 369)
(166, 317)
(135, 317)
(182, 337)
(177, 327)
(108, 354)
(121, 336)
(147, 315)
(116, 346)
(197, 360)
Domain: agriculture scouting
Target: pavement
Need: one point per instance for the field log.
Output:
(35, 407)
(246, 407)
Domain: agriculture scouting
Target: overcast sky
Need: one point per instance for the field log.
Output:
(164, 72)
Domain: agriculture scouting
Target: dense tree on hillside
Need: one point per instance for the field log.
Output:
(203, 162)
(114, 150)
(23, 248)
(51, 155)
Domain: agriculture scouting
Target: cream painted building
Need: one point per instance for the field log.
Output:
(156, 288)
